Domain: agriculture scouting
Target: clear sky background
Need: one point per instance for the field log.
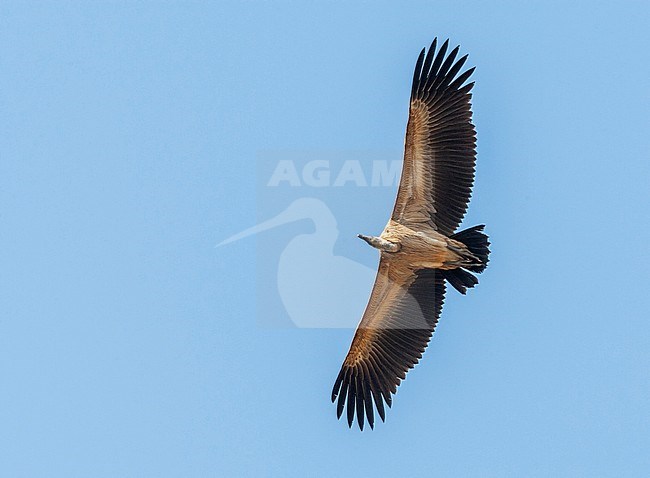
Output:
(129, 345)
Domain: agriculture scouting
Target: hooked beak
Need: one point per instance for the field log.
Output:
(379, 243)
(365, 238)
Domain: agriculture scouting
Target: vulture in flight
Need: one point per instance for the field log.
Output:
(420, 250)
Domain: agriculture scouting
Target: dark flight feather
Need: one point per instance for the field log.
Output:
(370, 381)
(440, 143)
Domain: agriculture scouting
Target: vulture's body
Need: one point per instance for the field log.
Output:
(420, 250)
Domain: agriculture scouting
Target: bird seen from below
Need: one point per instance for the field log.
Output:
(420, 250)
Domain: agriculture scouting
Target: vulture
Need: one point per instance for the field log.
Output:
(420, 249)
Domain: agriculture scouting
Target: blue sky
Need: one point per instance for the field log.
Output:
(130, 141)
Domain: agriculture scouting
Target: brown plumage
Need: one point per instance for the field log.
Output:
(419, 251)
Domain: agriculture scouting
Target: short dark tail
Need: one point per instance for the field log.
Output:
(479, 245)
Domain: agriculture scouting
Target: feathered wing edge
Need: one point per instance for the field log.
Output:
(440, 153)
(379, 358)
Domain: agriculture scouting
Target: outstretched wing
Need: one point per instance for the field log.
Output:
(440, 146)
(400, 317)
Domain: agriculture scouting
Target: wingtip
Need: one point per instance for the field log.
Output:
(433, 46)
(417, 73)
(337, 385)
